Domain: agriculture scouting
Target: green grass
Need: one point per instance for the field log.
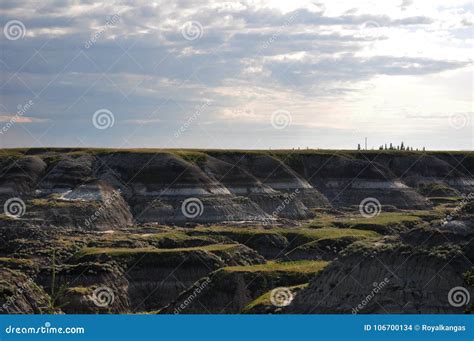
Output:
(52, 203)
(195, 157)
(469, 276)
(304, 267)
(437, 190)
(383, 220)
(4, 217)
(80, 290)
(327, 233)
(228, 230)
(176, 236)
(429, 215)
(445, 200)
(330, 232)
(151, 250)
(16, 261)
(13, 153)
(296, 236)
(44, 202)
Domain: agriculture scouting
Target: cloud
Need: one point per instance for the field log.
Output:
(250, 58)
(20, 119)
(405, 4)
(312, 70)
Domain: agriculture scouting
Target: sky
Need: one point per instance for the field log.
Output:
(237, 74)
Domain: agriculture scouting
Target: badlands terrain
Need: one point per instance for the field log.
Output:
(213, 231)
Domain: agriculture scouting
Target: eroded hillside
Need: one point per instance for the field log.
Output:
(188, 231)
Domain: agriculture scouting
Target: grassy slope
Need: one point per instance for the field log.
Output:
(151, 250)
(383, 220)
(303, 267)
(310, 233)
